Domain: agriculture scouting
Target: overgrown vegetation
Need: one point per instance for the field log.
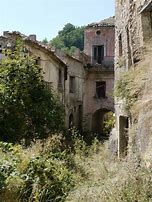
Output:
(130, 86)
(52, 171)
(108, 123)
(27, 109)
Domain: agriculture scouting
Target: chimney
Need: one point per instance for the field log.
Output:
(5, 33)
(32, 37)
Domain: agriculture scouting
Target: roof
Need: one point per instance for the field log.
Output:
(108, 22)
(40, 45)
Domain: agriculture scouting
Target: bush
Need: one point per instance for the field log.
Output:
(45, 175)
(27, 109)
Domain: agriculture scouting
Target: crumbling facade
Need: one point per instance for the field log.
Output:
(133, 30)
(99, 70)
(74, 90)
(62, 73)
(84, 82)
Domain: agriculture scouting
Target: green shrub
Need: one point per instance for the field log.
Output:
(27, 109)
(46, 175)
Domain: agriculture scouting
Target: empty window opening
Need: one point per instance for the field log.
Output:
(98, 32)
(72, 84)
(123, 135)
(60, 77)
(38, 61)
(120, 45)
(146, 17)
(60, 80)
(98, 54)
(100, 89)
(65, 73)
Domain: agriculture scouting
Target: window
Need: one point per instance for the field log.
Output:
(100, 89)
(72, 84)
(60, 76)
(65, 73)
(98, 53)
(120, 45)
(38, 61)
(60, 80)
(98, 32)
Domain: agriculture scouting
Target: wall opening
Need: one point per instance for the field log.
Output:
(100, 89)
(71, 121)
(38, 61)
(65, 73)
(72, 84)
(120, 45)
(123, 135)
(98, 54)
(146, 17)
(60, 87)
(102, 118)
(60, 76)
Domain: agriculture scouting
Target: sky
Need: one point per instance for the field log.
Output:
(46, 17)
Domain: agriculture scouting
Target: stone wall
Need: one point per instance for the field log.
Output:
(133, 29)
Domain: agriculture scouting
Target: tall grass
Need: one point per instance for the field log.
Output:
(56, 171)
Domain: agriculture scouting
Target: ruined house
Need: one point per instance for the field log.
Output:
(99, 73)
(62, 73)
(133, 49)
(53, 68)
(74, 90)
(84, 82)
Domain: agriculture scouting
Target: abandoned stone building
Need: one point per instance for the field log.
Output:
(99, 73)
(74, 93)
(84, 82)
(133, 30)
(62, 73)
(52, 67)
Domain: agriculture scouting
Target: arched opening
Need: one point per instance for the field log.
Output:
(102, 122)
(71, 121)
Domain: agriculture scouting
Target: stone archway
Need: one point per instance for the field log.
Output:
(98, 121)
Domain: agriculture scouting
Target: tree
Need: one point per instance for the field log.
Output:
(69, 38)
(45, 41)
(27, 109)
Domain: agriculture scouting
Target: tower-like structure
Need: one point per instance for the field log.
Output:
(99, 49)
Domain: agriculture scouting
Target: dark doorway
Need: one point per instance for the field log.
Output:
(98, 122)
(71, 121)
(123, 135)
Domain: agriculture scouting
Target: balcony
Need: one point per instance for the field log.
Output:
(107, 64)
